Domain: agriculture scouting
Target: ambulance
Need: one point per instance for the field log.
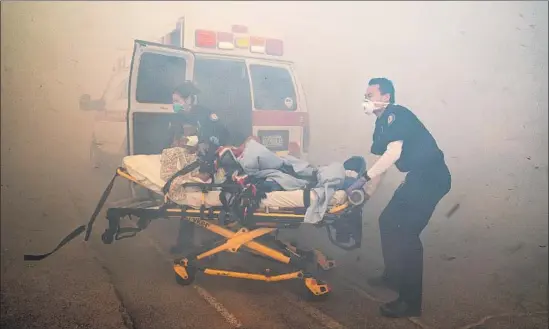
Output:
(243, 76)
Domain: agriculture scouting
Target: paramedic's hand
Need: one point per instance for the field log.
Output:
(202, 149)
(214, 140)
(366, 196)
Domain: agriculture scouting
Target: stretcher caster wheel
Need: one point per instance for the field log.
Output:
(184, 275)
(107, 237)
(315, 290)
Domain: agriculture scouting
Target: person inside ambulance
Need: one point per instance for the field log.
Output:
(207, 126)
(194, 122)
(400, 138)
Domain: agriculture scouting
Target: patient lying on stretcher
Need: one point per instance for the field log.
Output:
(285, 180)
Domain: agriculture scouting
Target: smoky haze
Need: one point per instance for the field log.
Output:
(474, 72)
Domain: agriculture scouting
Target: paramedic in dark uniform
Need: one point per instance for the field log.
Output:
(211, 134)
(210, 130)
(401, 139)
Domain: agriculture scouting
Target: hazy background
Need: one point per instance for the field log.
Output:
(474, 72)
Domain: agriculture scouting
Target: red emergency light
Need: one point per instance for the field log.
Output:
(257, 45)
(230, 41)
(225, 40)
(205, 39)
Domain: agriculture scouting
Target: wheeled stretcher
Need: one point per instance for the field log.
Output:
(246, 223)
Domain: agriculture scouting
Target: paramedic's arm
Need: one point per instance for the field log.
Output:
(389, 157)
(379, 169)
(222, 133)
(214, 131)
(371, 187)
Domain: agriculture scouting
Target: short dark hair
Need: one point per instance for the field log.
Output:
(186, 89)
(385, 87)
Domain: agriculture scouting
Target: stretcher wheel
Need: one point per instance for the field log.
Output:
(315, 290)
(184, 275)
(107, 237)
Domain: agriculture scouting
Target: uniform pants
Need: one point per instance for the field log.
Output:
(185, 234)
(401, 223)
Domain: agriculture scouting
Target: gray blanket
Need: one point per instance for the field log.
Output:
(258, 161)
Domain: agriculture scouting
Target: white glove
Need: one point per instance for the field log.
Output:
(214, 140)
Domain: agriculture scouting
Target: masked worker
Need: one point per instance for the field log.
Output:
(194, 119)
(205, 122)
(400, 138)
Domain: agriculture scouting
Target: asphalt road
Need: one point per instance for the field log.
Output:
(130, 284)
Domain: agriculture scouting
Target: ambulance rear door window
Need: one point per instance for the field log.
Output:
(273, 88)
(157, 77)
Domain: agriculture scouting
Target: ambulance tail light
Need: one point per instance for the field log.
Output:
(205, 39)
(274, 47)
(225, 40)
(257, 45)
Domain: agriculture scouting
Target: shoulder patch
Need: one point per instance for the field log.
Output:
(391, 119)
(214, 117)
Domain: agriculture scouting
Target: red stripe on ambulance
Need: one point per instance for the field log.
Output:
(279, 118)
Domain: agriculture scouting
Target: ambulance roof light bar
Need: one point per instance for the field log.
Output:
(234, 39)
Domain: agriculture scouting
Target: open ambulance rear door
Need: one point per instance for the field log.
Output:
(155, 71)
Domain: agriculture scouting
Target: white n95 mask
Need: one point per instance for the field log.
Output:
(369, 106)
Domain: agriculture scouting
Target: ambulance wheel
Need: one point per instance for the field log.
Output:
(191, 274)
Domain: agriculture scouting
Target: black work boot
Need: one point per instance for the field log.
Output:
(400, 309)
(384, 280)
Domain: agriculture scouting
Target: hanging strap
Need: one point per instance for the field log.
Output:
(79, 230)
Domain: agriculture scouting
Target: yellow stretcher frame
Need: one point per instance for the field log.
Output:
(185, 268)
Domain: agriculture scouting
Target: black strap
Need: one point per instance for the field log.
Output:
(307, 197)
(307, 190)
(99, 206)
(79, 230)
(182, 172)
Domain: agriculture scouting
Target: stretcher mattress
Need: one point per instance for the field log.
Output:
(146, 171)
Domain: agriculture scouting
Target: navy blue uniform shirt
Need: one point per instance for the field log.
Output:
(207, 122)
(419, 148)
